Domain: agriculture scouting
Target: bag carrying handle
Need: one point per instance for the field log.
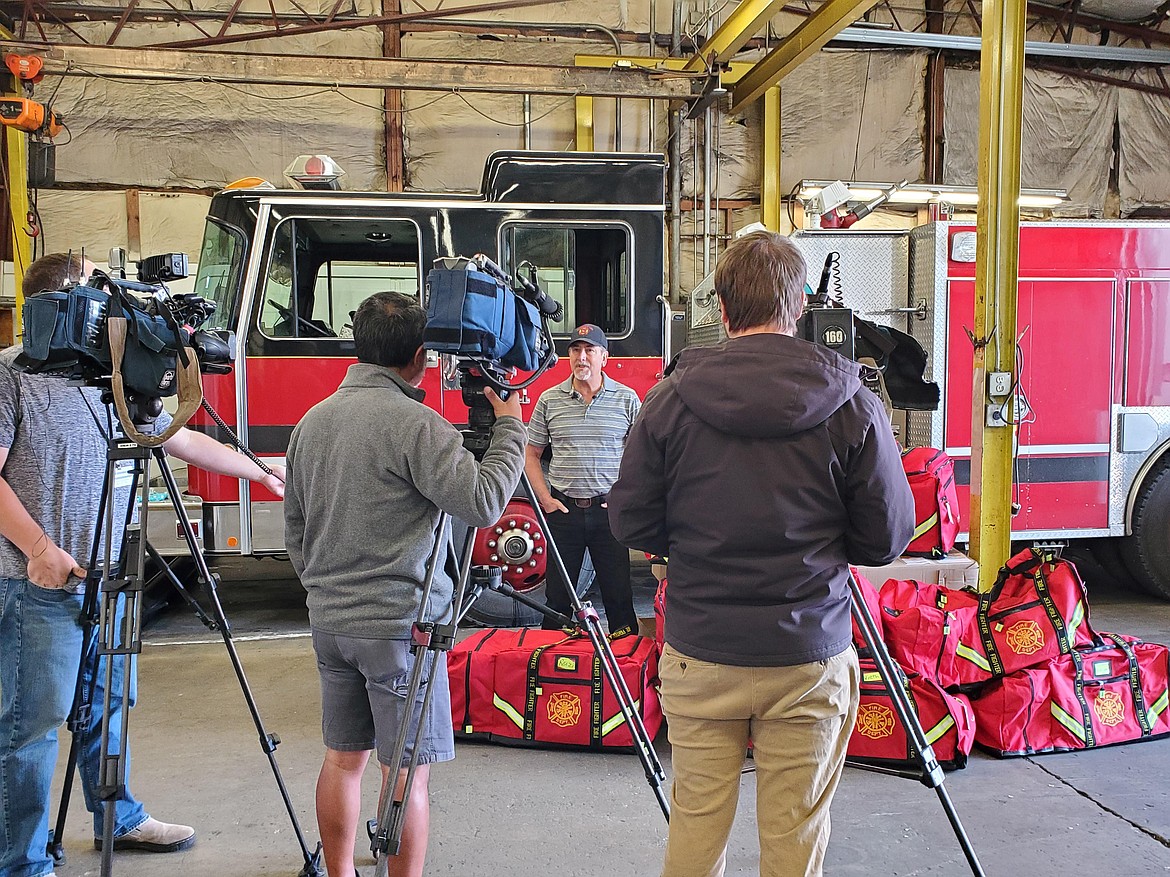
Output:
(190, 387)
(1135, 683)
(1022, 568)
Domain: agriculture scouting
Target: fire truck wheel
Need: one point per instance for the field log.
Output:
(1147, 551)
(496, 610)
(1106, 553)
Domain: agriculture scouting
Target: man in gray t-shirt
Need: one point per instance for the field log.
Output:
(53, 441)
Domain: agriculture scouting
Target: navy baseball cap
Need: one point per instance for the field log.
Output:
(591, 334)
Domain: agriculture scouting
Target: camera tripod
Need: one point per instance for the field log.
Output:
(118, 630)
(435, 637)
(930, 772)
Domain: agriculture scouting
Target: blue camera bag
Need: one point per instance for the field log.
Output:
(469, 313)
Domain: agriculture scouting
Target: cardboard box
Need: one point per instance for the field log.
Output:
(955, 570)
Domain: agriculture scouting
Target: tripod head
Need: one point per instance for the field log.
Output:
(481, 417)
(144, 410)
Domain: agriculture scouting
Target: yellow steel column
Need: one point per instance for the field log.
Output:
(16, 156)
(1001, 85)
(584, 139)
(771, 208)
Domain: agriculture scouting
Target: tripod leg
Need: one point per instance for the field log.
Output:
(932, 772)
(79, 713)
(268, 742)
(587, 619)
(119, 639)
(427, 637)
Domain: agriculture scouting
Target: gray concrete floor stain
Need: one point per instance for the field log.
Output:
(505, 811)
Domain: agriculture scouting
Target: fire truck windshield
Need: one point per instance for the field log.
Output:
(221, 262)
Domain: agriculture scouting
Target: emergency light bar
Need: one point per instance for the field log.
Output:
(315, 172)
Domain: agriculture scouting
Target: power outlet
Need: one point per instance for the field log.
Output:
(999, 384)
(996, 415)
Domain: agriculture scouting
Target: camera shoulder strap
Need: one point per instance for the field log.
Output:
(190, 387)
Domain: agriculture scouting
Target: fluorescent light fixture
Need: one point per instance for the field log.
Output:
(924, 193)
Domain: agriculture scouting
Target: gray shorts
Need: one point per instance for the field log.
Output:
(363, 698)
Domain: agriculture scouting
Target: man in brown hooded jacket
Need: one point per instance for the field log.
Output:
(762, 467)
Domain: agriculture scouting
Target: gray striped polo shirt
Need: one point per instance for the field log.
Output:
(587, 440)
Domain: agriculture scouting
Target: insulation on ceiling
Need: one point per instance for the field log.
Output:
(1115, 10)
(1067, 136)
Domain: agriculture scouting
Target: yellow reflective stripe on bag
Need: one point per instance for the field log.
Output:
(925, 526)
(508, 710)
(1159, 706)
(616, 721)
(935, 733)
(973, 656)
(1069, 722)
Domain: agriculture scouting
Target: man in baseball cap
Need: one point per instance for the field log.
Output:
(585, 421)
(590, 334)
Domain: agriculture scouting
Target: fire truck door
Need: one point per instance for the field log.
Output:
(1065, 335)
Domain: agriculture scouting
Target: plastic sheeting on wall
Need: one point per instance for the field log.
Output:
(849, 116)
(853, 116)
(448, 136)
(1067, 140)
(201, 134)
(1142, 179)
(96, 222)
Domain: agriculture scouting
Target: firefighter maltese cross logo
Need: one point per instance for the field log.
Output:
(1025, 638)
(875, 721)
(564, 709)
(1109, 708)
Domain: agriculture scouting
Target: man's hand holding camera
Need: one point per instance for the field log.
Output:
(510, 408)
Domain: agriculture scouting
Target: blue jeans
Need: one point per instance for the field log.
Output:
(40, 640)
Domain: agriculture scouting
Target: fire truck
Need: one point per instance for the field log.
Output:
(287, 269)
(1091, 403)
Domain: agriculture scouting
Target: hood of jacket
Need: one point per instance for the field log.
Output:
(764, 386)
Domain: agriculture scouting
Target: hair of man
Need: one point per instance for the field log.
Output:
(388, 329)
(52, 272)
(760, 281)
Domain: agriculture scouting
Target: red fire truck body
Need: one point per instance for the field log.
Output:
(1092, 397)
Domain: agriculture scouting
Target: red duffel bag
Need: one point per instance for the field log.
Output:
(931, 474)
(879, 738)
(1113, 693)
(1037, 610)
(471, 672)
(551, 690)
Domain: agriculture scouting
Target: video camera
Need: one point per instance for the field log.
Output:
(66, 330)
(493, 325)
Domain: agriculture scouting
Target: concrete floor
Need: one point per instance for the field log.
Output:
(501, 811)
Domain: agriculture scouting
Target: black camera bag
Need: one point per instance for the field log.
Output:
(65, 331)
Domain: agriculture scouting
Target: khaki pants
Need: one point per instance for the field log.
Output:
(798, 719)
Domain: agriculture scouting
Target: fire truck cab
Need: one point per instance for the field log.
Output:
(287, 269)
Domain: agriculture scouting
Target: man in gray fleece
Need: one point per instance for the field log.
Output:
(369, 471)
